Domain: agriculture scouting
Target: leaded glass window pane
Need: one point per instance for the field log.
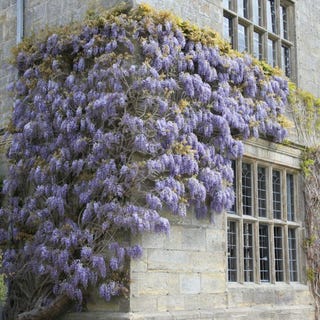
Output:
(292, 255)
(257, 45)
(262, 192)
(243, 9)
(227, 4)
(278, 253)
(246, 189)
(262, 244)
(276, 194)
(232, 251)
(233, 165)
(261, 28)
(285, 60)
(283, 22)
(248, 252)
(227, 29)
(264, 253)
(290, 197)
(271, 16)
(271, 52)
(256, 12)
(242, 38)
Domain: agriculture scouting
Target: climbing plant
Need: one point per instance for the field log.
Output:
(304, 109)
(311, 169)
(116, 121)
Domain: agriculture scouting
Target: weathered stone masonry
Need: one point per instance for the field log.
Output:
(183, 275)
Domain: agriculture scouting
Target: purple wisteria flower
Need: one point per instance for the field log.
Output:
(112, 126)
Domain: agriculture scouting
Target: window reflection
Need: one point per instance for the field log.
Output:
(243, 8)
(242, 38)
(257, 45)
(227, 4)
(285, 60)
(271, 53)
(256, 12)
(227, 29)
(271, 16)
(283, 22)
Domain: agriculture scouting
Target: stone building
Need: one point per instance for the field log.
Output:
(248, 264)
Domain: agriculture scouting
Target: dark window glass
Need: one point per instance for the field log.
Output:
(256, 12)
(248, 252)
(227, 29)
(257, 45)
(246, 189)
(264, 253)
(290, 197)
(278, 253)
(233, 165)
(271, 16)
(283, 22)
(242, 38)
(276, 194)
(262, 192)
(232, 251)
(292, 255)
(227, 4)
(243, 8)
(271, 52)
(285, 60)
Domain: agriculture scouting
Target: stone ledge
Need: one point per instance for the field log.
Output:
(253, 313)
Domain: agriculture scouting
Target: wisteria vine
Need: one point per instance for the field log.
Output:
(113, 124)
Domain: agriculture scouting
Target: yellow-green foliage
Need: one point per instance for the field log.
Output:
(2, 287)
(308, 161)
(310, 274)
(305, 109)
(99, 17)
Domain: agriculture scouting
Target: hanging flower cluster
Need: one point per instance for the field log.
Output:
(113, 124)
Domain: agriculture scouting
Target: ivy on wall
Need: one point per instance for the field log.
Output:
(129, 115)
(311, 169)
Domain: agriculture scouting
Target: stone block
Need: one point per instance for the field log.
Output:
(143, 304)
(190, 283)
(191, 302)
(264, 295)
(213, 282)
(208, 261)
(154, 283)
(194, 239)
(153, 240)
(240, 297)
(210, 301)
(285, 296)
(168, 260)
(303, 296)
(141, 264)
(215, 240)
(170, 303)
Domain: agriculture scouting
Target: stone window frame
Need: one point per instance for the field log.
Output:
(290, 272)
(284, 42)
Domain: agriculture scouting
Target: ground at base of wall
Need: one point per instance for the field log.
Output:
(254, 313)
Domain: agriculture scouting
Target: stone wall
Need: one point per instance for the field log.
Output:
(7, 41)
(204, 13)
(183, 273)
(308, 45)
(183, 276)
